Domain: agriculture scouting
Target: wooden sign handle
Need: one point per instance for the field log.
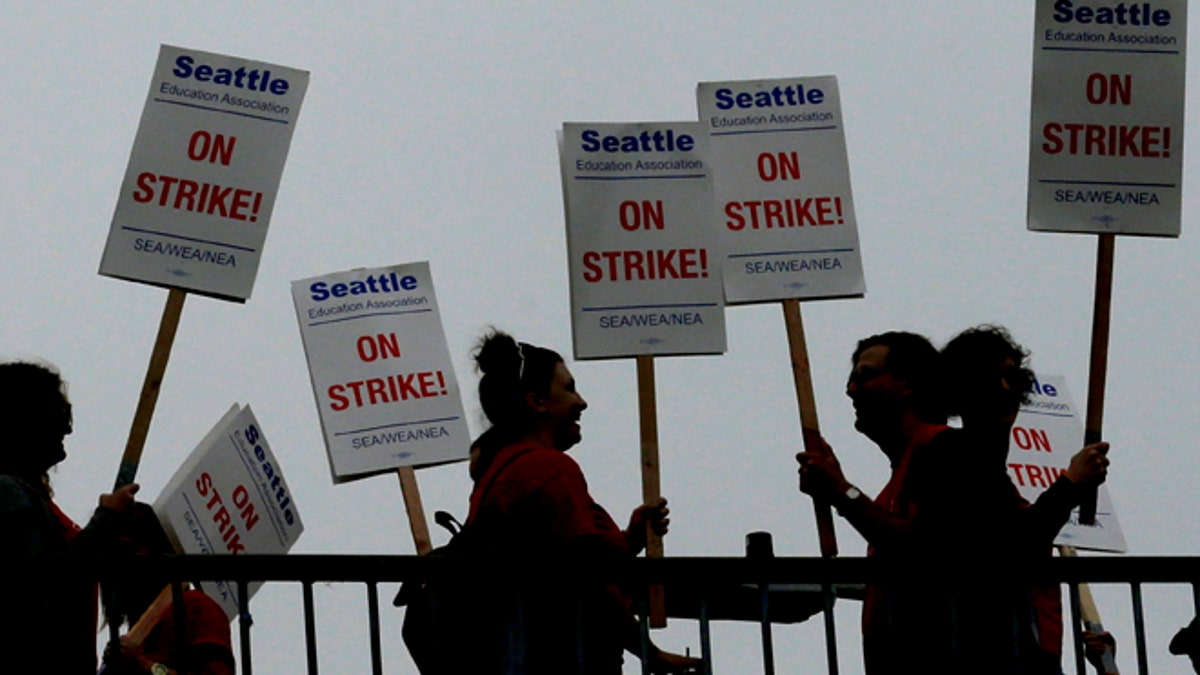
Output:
(808, 415)
(150, 388)
(416, 512)
(1089, 614)
(1098, 363)
(651, 487)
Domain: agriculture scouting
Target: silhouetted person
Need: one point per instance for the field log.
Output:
(971, 516)
(531, 507)
(894, 384)
(47, 626)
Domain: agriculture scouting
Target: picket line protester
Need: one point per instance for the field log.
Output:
(644, 272)
(1106, 129)
(1047, 432)
(230, 497)
(204, 172)
(381, 371)
(781, 180)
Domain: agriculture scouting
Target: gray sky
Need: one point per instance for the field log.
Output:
(428, 133)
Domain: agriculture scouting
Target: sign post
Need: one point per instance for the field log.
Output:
(789, 233)
(198, 192)
(382, 376)
(644, 278)
(1106, 139)
(1045, 435)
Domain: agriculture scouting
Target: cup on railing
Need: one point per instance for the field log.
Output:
(759, 545)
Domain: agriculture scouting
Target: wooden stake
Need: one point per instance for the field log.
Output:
(651, 488)
(416, 512)
(150, 387)
(141, 630)
(808, 415)
(1089, 614)
(1098, 364)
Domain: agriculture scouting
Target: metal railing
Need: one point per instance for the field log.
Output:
(768, 590)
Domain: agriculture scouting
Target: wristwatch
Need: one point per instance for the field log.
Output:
(159, 669)
(852, 493)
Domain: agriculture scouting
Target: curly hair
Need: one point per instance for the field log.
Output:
(33, 405)
(975, 355)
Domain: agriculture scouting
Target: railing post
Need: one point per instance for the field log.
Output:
(310, 627)
(373, 617)
(244, 623)
(1139, 627)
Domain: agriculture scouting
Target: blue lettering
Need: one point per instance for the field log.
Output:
(647, 141)
(1044, 389)
(254, 80)
(383, 283)
(1132, 14)
(183, 66)
(773, 98)
(591, 142)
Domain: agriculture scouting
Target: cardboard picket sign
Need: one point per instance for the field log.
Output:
(644, 274)
(1047, 433)
(230, 497)
(381, 370)
(781, 181)
(1106, 129)
(203, 173)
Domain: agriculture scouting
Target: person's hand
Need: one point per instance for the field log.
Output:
(821, 474)
(654, 515)
(1100, 649)
(666, 662)
(1089, 465)
(127, 656)
(121, 499)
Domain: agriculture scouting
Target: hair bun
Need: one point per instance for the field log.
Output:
(497, 353)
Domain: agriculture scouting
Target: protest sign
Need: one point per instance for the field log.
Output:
(644, 278)
(781, 183)
(381, 370)
(1106, 130)
(203, 174)
(230, 497)
(1047, 433)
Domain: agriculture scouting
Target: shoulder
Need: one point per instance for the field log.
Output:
(206, 619)
(16, 494)
(535, 464)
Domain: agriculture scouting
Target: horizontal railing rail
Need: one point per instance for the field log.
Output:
(697, 584)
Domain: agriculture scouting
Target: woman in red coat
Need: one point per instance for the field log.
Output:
(532, 510)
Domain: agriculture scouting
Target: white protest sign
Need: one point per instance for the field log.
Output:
(205, 167)
(1047, 433)
(381, 370)
(644, 276)
(229, 497)
(1106, 130)
(781, 182)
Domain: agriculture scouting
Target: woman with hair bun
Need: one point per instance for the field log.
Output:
(531, 506)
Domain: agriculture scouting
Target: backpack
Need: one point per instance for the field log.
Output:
(444, 625)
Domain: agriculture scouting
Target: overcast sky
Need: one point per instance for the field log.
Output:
(428, 133)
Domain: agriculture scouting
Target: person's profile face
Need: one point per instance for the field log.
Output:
(874, 391)
(49, 424)
(563, 407)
